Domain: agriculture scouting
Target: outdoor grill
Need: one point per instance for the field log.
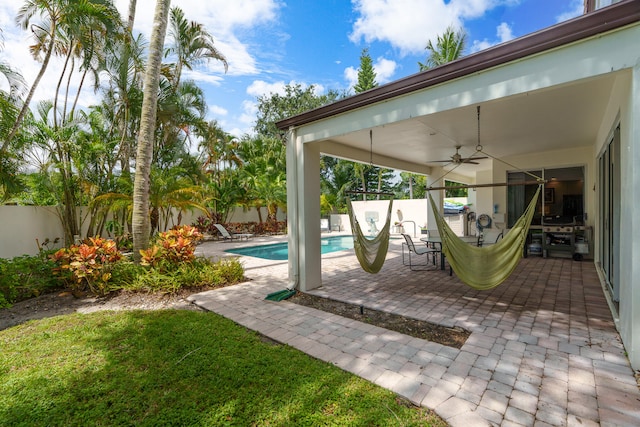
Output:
(559, 235)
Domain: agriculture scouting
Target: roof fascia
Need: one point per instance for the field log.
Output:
(603, 20)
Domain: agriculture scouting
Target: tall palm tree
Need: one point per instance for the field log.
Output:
(140, 217)
(449, 47)
(56, 16)
(84, 39)
(191, 43)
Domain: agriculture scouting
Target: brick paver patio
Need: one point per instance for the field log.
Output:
(543, 349)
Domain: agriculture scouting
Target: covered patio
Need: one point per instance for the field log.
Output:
(567, 97)
(543, 348)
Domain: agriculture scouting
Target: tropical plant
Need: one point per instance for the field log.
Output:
(60, 23)
(264, 174)
(172, 247)
(88, 265)
(449, 47)
(25, 277)
(190, 44)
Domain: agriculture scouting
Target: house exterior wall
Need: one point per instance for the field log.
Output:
(625, 104)
(613, 52)
(630, 244)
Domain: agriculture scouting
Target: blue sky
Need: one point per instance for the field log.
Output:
(269, 43)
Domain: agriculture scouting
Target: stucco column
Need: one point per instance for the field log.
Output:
(303, 213)
(629, 242)
(437, 196)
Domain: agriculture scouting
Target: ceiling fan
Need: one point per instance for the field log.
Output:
(458, 159)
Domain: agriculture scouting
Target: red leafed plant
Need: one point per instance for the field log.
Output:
(172, 247)
(88, 265)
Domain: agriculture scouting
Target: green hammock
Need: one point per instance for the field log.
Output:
(371, 253)
(485, 267)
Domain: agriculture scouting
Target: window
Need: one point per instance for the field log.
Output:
(562, 200)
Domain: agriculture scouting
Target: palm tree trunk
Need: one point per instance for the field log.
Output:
(132, 15)
(55, 98)
(27, 101)
(141, 220)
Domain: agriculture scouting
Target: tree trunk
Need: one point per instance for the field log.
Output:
(141, 220)
(27, 101)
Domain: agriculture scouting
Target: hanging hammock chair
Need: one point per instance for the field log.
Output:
(371, 253)
(485, 267)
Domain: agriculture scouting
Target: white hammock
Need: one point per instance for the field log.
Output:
(371, 253)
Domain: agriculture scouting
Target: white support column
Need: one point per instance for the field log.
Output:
(309, 216)
(629, 241)
(303, 213)
(437, 196)
(292, 209)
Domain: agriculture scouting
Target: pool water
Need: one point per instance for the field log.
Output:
(280, 251)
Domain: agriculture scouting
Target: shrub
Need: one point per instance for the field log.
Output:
(124, 273)
(206, 225)
(88, 265)
(25, 277)
(198, 274)
(172, 247)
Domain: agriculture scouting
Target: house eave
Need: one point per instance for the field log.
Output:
(589, 25)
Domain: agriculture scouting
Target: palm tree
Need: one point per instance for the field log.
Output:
(191, 43)
(449, 47)
(140, 217)
(58, 16)
(10, 183)
(263, 173)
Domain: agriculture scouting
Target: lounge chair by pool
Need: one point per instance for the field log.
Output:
(228, 236)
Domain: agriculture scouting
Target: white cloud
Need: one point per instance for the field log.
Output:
(202, 77)
(261, 88)
(409, 24)
(225, 20)
(351, 76)
(217, 110)
(504, 33)
(385, 69)
(576, 8)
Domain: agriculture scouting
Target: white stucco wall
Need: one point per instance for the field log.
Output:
(20, 226)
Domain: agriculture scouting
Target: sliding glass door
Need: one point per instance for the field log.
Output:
(609, 218)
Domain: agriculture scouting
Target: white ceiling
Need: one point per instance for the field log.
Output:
(545, 120)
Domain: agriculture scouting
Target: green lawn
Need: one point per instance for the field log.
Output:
(177, 368)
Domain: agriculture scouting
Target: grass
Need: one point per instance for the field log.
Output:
(172, 367)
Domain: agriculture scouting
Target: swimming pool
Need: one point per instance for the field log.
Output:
(280, 251)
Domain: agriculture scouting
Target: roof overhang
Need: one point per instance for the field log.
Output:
(542, 92)
(582, 27)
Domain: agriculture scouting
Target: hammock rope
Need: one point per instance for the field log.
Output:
(486, 267)
(371, 253)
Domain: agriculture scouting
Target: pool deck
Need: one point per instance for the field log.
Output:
(543, 350)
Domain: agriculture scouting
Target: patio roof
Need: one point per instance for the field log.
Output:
(519, 114)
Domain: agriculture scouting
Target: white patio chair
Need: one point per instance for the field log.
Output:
(228, 236)
(417, 250)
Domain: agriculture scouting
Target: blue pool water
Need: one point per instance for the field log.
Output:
(280, 251)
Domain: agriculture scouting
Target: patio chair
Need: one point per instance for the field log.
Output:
(417, 250)
(229, 237)
(489, 237)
